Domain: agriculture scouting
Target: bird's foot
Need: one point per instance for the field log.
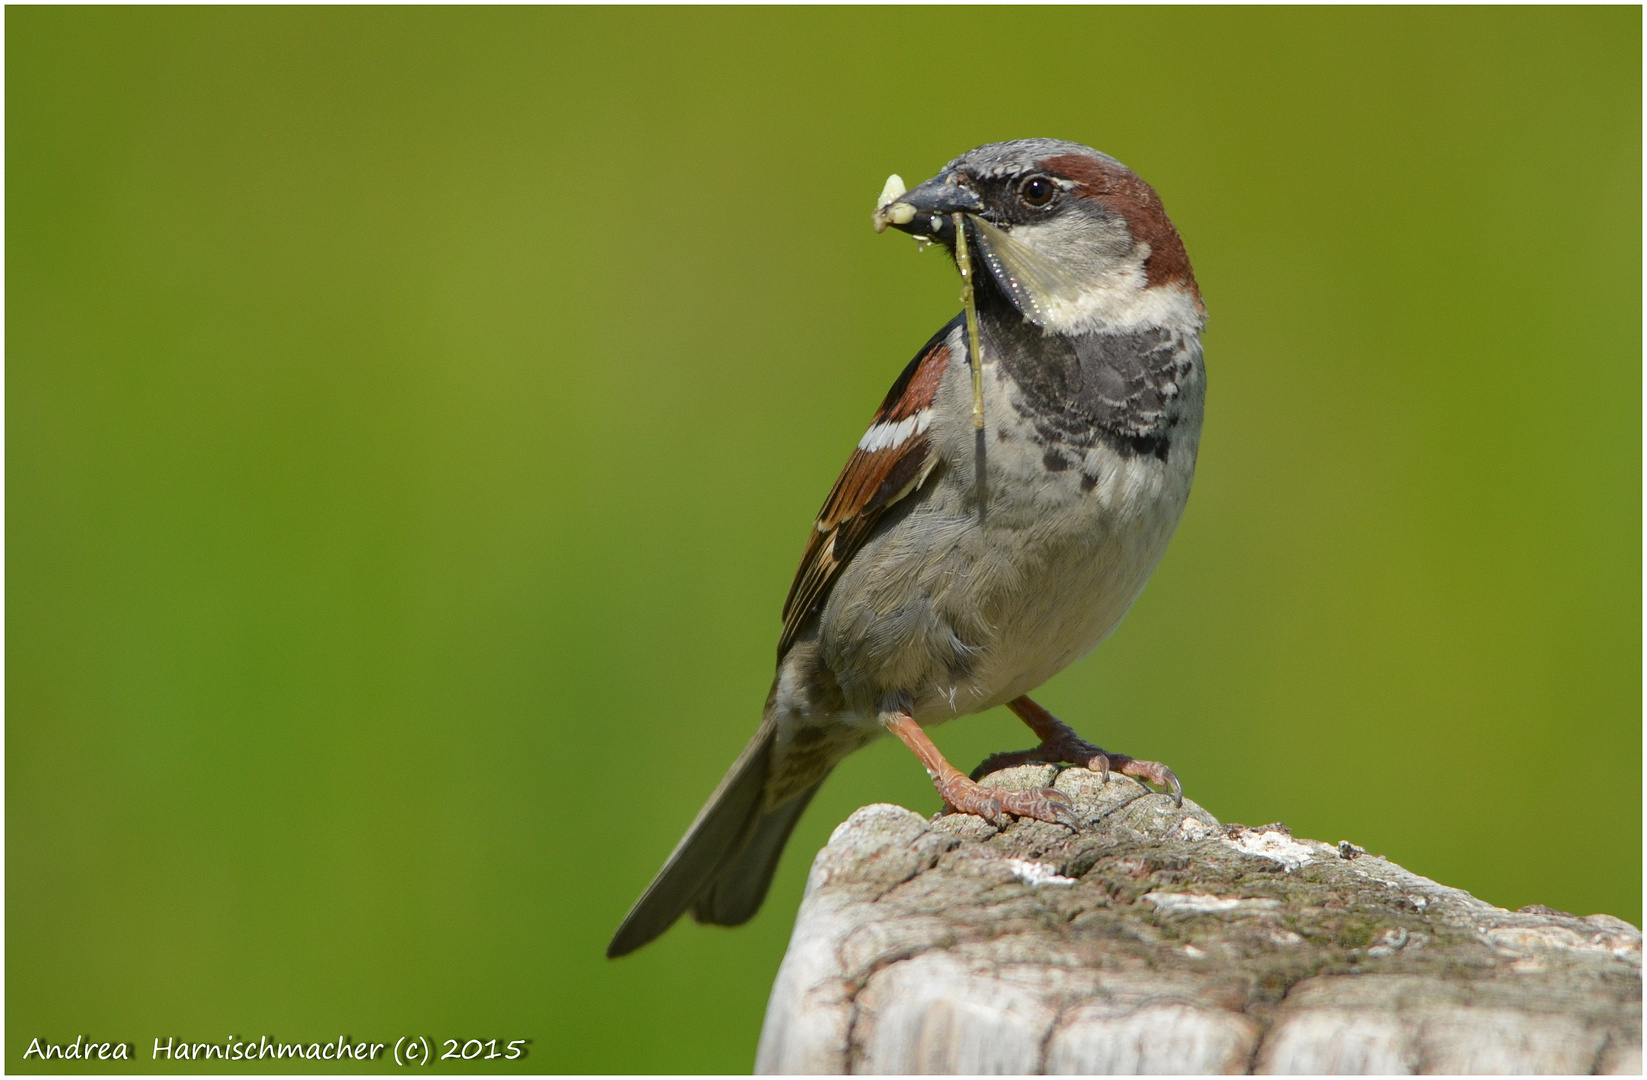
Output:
(1073, 750)
(993, 804)
(1042, 804)
(1061, 745)
(1153, 771)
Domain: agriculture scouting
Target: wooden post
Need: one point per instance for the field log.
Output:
(1158, 940)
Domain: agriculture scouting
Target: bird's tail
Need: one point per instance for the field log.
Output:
(724, 864)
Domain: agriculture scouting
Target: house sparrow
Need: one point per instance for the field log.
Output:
(955, 567)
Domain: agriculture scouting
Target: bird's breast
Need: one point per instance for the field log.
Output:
(1069, 496)
(1032, 537)
(1081, 435)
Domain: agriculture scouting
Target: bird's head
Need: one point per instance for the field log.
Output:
(1075, 240)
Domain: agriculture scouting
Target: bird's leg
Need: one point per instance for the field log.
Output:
(1060, 743)
(964, 795)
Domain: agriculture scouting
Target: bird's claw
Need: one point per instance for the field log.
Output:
(1075, 751)
(995, 804)
(1157, 774)
(1042, 804)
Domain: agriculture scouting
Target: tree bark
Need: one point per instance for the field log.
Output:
(1156, 939)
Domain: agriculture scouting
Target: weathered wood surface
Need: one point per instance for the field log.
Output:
(1157, 940)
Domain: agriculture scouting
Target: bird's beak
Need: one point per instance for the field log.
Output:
(925, 212)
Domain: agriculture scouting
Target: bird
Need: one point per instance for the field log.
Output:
(997, 519)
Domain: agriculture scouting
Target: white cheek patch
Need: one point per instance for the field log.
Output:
(889, 433)
(1104, 294)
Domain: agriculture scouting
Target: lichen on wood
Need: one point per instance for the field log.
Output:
(1156, 939)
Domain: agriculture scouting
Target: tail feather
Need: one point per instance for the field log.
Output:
(740, 886)
(716, 839)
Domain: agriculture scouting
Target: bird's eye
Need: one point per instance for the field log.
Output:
(1037, 191)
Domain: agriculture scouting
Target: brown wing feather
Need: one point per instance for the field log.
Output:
(871, 481)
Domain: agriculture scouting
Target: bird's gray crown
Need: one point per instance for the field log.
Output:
(993, 160)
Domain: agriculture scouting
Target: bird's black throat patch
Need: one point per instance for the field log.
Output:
(1116, 389)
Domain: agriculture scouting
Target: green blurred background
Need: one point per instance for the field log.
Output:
(414, 418)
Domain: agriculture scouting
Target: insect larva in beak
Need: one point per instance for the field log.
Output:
(888, 210)
(893, 191)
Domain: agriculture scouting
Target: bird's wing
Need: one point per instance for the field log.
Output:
(892, 459)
